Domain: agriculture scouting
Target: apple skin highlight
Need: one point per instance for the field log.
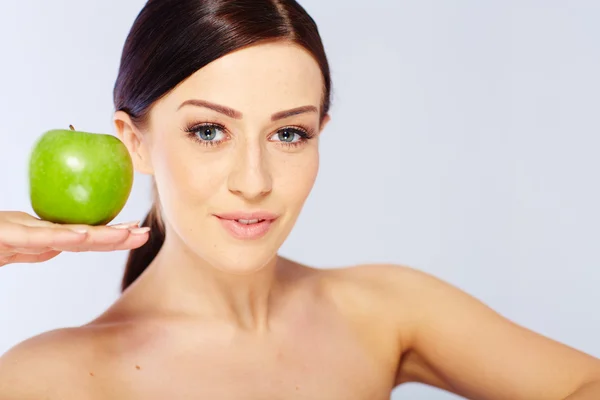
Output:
(79, 177)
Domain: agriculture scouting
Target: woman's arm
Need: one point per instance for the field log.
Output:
(459, 344)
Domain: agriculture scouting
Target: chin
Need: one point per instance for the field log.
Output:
(228, 254)
(242, 258)
(232, 255)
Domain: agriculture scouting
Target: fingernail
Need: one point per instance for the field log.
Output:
(79, 230)
(139, 231)
(125, 225)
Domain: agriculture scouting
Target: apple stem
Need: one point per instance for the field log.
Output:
(71, 126)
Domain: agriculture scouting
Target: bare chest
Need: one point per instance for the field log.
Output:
(318, 365)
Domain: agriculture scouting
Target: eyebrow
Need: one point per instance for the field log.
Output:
(294, 111)
(230, 112)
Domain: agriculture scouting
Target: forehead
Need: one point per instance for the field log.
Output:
(257, 80)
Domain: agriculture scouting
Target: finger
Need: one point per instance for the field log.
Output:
(109, 239)
(96, 237)
(22, 218)
(4, 248)
(32, 250)
(33, 258)
(134, 241)
(103, 238)
(16, 235)
(122, 225)
(7, 258)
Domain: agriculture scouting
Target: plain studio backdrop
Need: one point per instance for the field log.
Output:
(464, 142)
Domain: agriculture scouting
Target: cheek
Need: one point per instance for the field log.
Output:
(295, 177)
(185, 179)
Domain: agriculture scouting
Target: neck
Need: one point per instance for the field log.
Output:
(184, 284)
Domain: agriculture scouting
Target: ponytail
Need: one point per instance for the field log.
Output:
(140, 258)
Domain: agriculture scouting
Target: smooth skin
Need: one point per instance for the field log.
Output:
(214, 317)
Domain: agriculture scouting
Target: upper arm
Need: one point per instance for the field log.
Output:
(459, 344)
(38, 368)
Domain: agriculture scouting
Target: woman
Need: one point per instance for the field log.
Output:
(222, 102)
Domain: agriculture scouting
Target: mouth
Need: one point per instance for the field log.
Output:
(249, 221)
(247, 226)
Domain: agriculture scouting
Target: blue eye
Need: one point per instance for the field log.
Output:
(286, 135)
(290, 135)
(208, 132)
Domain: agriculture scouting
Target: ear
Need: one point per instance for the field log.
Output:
(135, 141)
(324, 122)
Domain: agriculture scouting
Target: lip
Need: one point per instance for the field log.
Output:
(243, 231)
(248, 215)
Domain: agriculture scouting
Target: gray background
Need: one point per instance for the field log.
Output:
(464, 143)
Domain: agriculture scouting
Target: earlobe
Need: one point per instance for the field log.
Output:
(134, 141)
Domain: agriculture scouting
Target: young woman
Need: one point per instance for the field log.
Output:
(222, 102)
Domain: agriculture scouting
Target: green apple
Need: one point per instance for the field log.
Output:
(79, 177)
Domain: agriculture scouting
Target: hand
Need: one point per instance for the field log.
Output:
(26, 239)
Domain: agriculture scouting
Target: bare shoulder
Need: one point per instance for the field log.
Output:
(381, 303)
(396, 293)
(383, 295)
(401, 284)
(379, 282)
(54, 364)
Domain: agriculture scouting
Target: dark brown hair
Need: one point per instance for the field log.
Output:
(171, 39)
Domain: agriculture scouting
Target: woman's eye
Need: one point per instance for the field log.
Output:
(210, 133)
(288, 135)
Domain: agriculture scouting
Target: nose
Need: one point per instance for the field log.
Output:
(250, 176)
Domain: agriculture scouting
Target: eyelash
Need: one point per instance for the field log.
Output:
(305, 134)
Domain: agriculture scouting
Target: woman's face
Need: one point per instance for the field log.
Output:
(238, 137)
